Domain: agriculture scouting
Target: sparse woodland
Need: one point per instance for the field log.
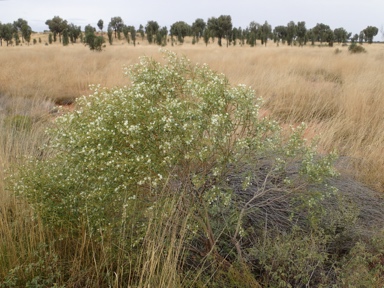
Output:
(257, 164)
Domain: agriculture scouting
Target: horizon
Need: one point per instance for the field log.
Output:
(340, 13)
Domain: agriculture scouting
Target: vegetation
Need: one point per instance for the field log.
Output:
(231, 210)
(94, 42)
(216, 27)
(57, 25)
(151, 30)
(116, 25)
(354, 48)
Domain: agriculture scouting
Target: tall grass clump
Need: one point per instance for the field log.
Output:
(176, 181)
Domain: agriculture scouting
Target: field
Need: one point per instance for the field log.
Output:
(340, 96)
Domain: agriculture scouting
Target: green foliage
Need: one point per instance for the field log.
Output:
(354, 48)
(151, 29)
(57, 25)
(341, 35)
(94, 42)
(110, 36)
(114, 167)
(220, 27)
(132, 32)
(206, 36)
(301, 32)
(180, 29)
(116, 24)
(74, 32)
(7, 32)
(100, 24)
(50, 40)
(369, 33)
(198, 28)
(41, 272)
(65, 37)
(126, 30)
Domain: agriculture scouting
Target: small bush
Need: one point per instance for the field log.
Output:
(355, 48)
(338, 51)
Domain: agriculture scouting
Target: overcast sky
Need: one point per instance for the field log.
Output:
(353, 15)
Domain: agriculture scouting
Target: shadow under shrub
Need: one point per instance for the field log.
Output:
(178, 182)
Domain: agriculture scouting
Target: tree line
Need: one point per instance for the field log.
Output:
(215, 28)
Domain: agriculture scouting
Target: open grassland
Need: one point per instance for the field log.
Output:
(339, 95)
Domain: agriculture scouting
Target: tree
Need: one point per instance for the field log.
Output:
(180, 29)
(117, 25)
(132, 31)
(125, 30)
(56, 25)
(161, 36)
(301, 33)
(329, 37)
(341, 35)
(100, 24)
(265, 33)
(220, 27)
(280, 34)
(74, 32)
(369, 33)
(16, 37)
(7, 33)
(26, 32)
(18, 25)
(94, 42)
(141, 32)
(323, 33)
(1, 34)
(361, 37)
(291, 32)
(206, 36)
(236, 34)
(355, 38)
(110, 36)
(253, 33)
(151, 30)
(198, 28)
(65, 37)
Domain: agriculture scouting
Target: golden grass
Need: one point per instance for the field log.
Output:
(339, 95)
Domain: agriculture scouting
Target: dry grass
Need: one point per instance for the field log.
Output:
(340, 96)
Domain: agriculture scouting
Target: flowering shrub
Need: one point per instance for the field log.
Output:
(177, 127)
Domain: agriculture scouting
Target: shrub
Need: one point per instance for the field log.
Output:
(94, 42)
(354, 48)
(182, 152)
(338, 51)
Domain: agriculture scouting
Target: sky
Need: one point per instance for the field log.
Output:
(352, 15)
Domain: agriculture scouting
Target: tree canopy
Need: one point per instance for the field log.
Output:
(56, 26)
(180, 29)
(116, 24)
(369, 33)
(220, 27)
